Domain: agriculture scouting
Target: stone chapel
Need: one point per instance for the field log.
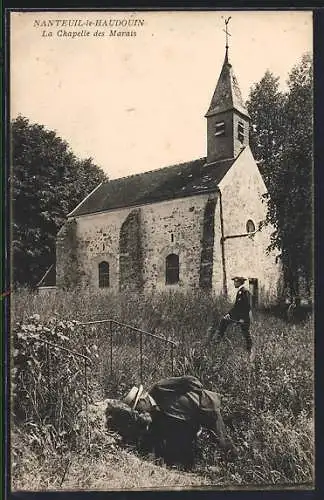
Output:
(183, 227)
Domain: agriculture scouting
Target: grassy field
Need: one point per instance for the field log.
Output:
(267, 404)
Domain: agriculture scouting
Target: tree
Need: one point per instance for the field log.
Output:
(289, 178)
(265, 105)
(47, 182)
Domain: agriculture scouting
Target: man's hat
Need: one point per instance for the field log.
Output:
(133, 396)
(241, 278)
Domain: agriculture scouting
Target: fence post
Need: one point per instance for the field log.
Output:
(49, 377)
(141, 357)
(111, 347)
(87, 404)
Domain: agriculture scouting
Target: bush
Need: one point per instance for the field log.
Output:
(49, 388)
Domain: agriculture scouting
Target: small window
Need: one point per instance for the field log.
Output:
(172, 269)
(103, 275)
(240, 131)
(172, 238)
(250, 226)
(220, 128)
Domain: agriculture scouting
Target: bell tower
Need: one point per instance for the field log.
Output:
(227, 118)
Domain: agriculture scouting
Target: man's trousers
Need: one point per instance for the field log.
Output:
(245, 328)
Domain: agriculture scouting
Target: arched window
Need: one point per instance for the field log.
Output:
(103, 275)
(172, 269)
(250, 226)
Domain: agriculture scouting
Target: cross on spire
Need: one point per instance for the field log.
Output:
(227, 34)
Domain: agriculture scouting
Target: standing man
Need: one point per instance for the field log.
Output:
(240, 313)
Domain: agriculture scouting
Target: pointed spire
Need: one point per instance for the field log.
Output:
(227, 95)
(226, 56)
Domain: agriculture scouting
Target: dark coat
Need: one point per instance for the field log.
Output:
(184, 398)
(242, 306)
(183, 407)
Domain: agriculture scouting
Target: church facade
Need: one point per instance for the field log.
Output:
(183, 227)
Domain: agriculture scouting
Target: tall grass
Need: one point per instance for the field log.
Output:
(267, 403)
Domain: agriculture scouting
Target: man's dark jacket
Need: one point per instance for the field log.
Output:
(184, 398)
(242, 307)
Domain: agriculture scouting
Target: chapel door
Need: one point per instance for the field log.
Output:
(253, 288)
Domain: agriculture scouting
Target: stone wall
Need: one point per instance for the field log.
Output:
(242, 190)
(176, 227)
(98, 236)
(136, 241)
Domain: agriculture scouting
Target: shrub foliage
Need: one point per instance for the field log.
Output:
(49, 382)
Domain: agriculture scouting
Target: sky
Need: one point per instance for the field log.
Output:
(137, 103)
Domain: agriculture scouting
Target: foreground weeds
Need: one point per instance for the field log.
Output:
(267, 403)
(113, 468)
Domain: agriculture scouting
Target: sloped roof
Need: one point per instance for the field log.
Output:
(176, 181)
(227, 94)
